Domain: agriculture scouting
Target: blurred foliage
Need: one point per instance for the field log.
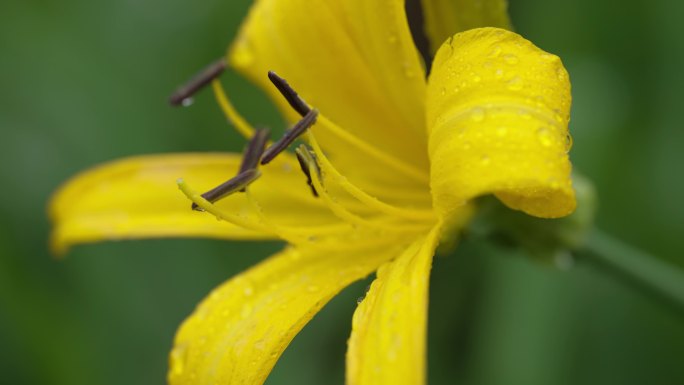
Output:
(87, 81)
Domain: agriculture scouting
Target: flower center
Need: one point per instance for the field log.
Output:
(358, 210)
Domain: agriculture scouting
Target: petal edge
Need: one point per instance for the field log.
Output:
(498, 112)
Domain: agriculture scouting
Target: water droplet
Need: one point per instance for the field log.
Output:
(511, 59)
(548, 57)
(544, 136)
(477, 114)
(312, 288)
(187, 102)
(499, 73)
(568, 142)
(178, 357)
(248, 291)
(392, 38)
(562, 75)
(501, 131)
(408, 70)
(442, 91)
(515, 84)
(496, 51)
(485, 160)
(260, 344)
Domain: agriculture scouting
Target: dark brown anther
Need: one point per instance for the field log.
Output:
(254, 150)
(304, 158)
(239, 182)
(290, 136)
(296, 102)
(185, 92)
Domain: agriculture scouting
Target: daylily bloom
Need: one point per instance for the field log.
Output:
(395, 159)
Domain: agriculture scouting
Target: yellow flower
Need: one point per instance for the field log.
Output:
(395, 159)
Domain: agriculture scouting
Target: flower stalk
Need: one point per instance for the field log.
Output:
(638, 269)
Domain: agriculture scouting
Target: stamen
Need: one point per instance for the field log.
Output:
(237, 183)
(296, 102)
(241, 125)
(254, 150)
(237, 220)
(361, 195)
(290, 136)
(184, 92)
(304, 158)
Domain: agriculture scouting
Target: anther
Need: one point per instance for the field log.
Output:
(296, 102)
(184, 92)
(290, 136)
(304, 157)
(239, 182)
(254, 150)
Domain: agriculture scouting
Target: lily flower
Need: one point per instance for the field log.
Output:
(392, 163)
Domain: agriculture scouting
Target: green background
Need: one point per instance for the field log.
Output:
(87, 81)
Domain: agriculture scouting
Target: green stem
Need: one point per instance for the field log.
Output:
(651, 274)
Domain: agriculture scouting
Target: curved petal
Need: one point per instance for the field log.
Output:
(138, 198)
(498, 111)
(444, 18)
(237, 333)
(387, 344)
(353, 60)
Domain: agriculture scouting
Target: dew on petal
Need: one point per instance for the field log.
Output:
(408, 70)
(496, 51)
(562, 74)
(568, 142)
(178, 358)
(477, 114)
(248, 291)
(511, 59)
(544, 136)
(515, 84)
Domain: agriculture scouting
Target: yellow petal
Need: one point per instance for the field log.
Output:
(138, 198)
(237, 333)
(353, 60)
(387, 344)
(444, 18)
(498, 110)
